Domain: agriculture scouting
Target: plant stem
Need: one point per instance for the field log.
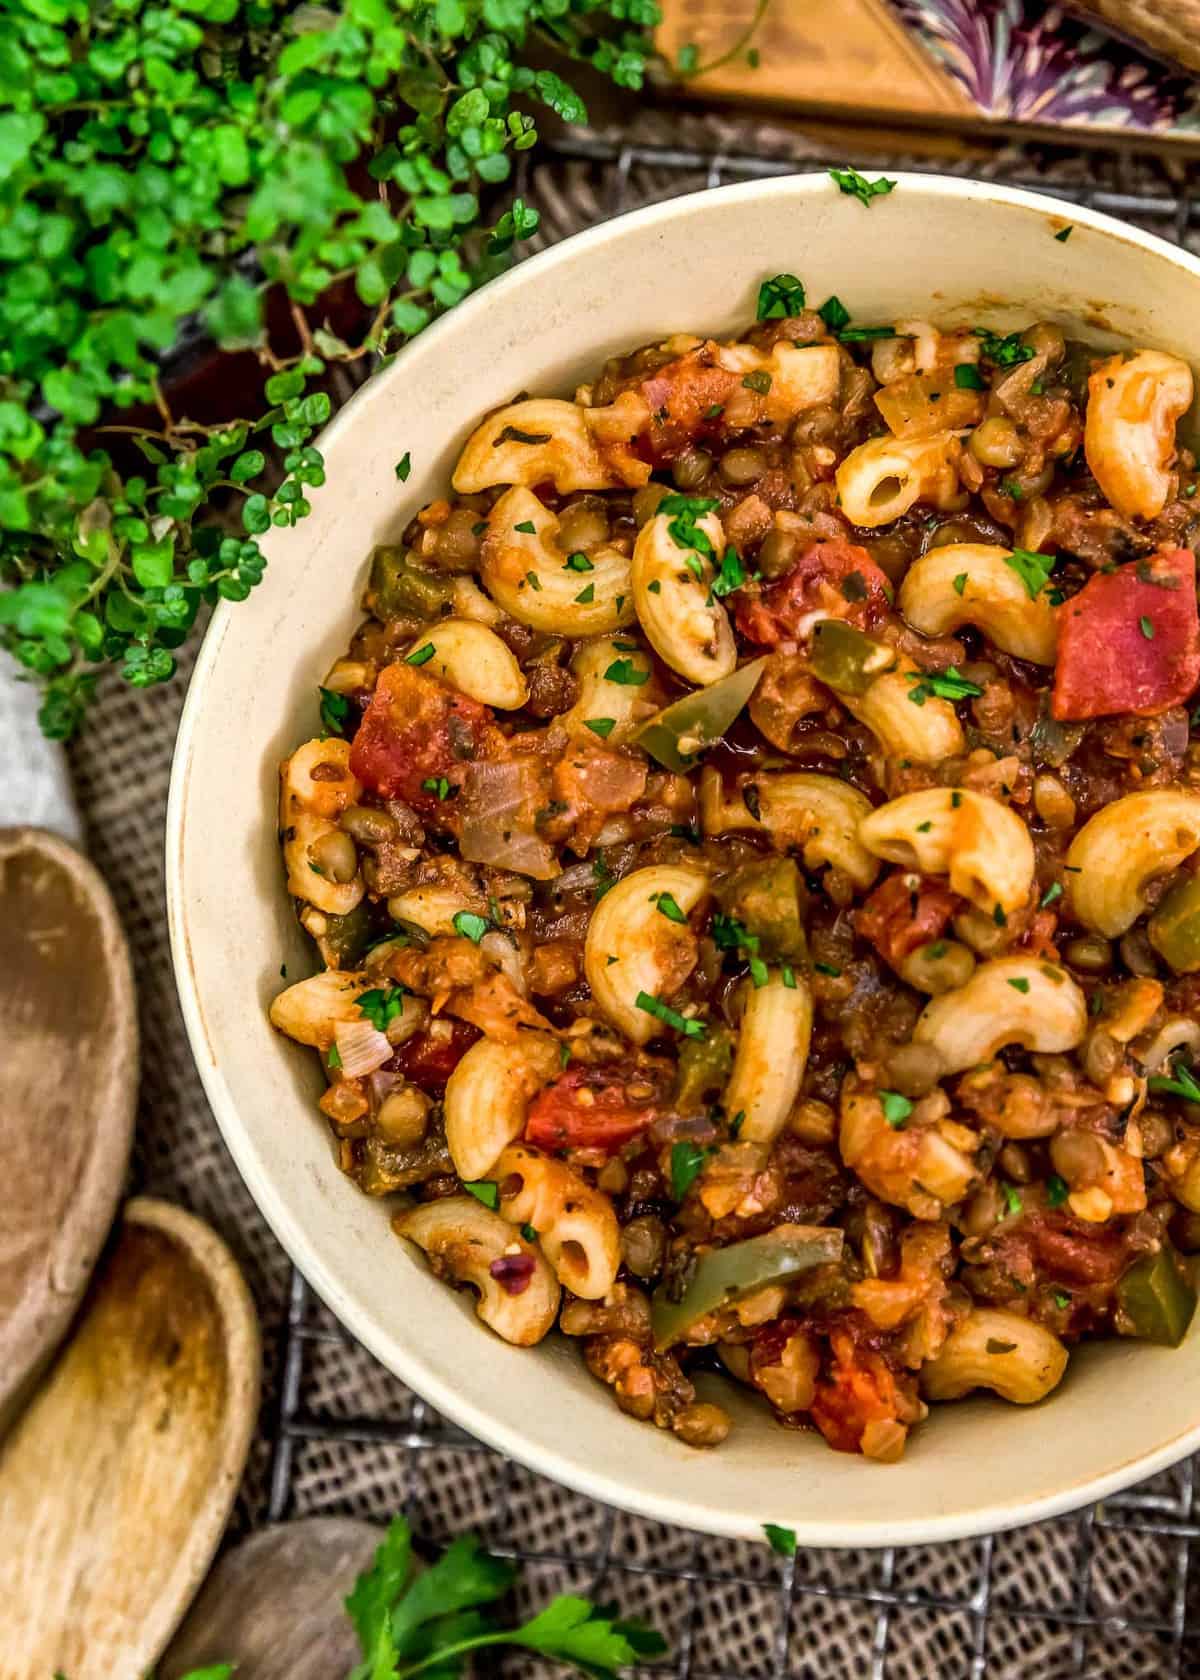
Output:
(436, 1659)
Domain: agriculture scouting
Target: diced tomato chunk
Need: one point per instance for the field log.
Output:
(414, 731)
(859, 1390)
(1130, 640)
(586, 1108)
(835, 579)
(428, 1058)
(905, 912)
(685, 399)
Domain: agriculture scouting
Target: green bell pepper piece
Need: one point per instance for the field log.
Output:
(1158, 1298)
(724, 1275)
(1174, 927)
(681, 731)
(346, 938)
(399, 588)
(703, 1069)
(846, 660)
(770, 899)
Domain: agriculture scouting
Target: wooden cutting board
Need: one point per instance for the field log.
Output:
(117, 1481)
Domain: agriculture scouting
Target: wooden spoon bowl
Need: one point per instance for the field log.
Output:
(68, 1082)
(116, 1483)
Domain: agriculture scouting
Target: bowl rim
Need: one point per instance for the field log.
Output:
(404, 1361)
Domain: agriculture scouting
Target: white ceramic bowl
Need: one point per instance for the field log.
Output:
(959, 250)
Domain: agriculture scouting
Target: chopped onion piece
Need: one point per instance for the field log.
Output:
(361, 1047)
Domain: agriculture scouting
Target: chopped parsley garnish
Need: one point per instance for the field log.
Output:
(1146, 627)
(687, 1163)
(948, 685)
(404, 467)
(604, 879)
(334, 1058)
(857, 186)
(896, 1109)
(1012, 1198)
(335, 711)
(827, 968)
(484, 1190)
(789, 977)
(1064, 234)
(1032, 568)
(382, 1006)
(600, 726)
(586, 595)
(531, 578)
(998, 916)
(577, 562)
(1005, 352)
(437, 785)
(1010, 488)
(470, 925)
(1182, 1083)
(968, 377)
(731, 574)
(1061, 1299)
(960, 583)
(780, 296)
(526, 527)
(626, 673)
(667, 907)
(422, 656)
(834, 314)
(759, 381)
(694, 565)
(714, 410)
(1019, 985)
(1051, 893)
(527, 1231)
(683, 512)
(781, 1540)
(1056, 1190)
(868, 335)
(668, 1016)
(759, 973)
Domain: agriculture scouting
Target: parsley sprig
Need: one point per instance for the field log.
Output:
(429, 1623)
(945, 685)
(857, 186)
(1182, 1083)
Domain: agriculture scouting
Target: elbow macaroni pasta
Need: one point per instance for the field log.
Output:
(672, 592)
(538, 440)
(772, 1050)
(1118, 850)
(309, 807)
(626, 705)
(529, 576)
(882, 479)
(1129, 438)
(981, 844)
(820, 816)
(990, 595)
(487, 1095)
(473, 659)
(1010, 1000)
(576, 1226)
(466, 1240)
(1015, 1358)
(632, 948)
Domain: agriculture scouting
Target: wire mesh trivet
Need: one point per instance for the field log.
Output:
(1106, 1593)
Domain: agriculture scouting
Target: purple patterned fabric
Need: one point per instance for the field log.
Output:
(1023, 61)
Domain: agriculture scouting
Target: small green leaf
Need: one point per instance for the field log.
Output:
(782, 1540)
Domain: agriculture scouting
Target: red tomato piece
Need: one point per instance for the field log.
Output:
(681, 398)
(428, 1058)
(415, 731)
(836, 579)
(859, 1390)
(586, 1108)
(1130, 641)
(904, 912)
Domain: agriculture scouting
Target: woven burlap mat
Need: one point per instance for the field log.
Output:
(1106, 1592)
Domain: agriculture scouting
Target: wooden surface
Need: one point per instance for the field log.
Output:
(1168, 28)
(849, 55)
(274, 1605)
(68, 1082)
(116, 1483)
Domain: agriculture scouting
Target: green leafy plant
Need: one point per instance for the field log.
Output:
(188, 162)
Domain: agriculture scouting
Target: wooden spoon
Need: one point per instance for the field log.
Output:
(274, 1605)
(68, 1080)
(116, 1483)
